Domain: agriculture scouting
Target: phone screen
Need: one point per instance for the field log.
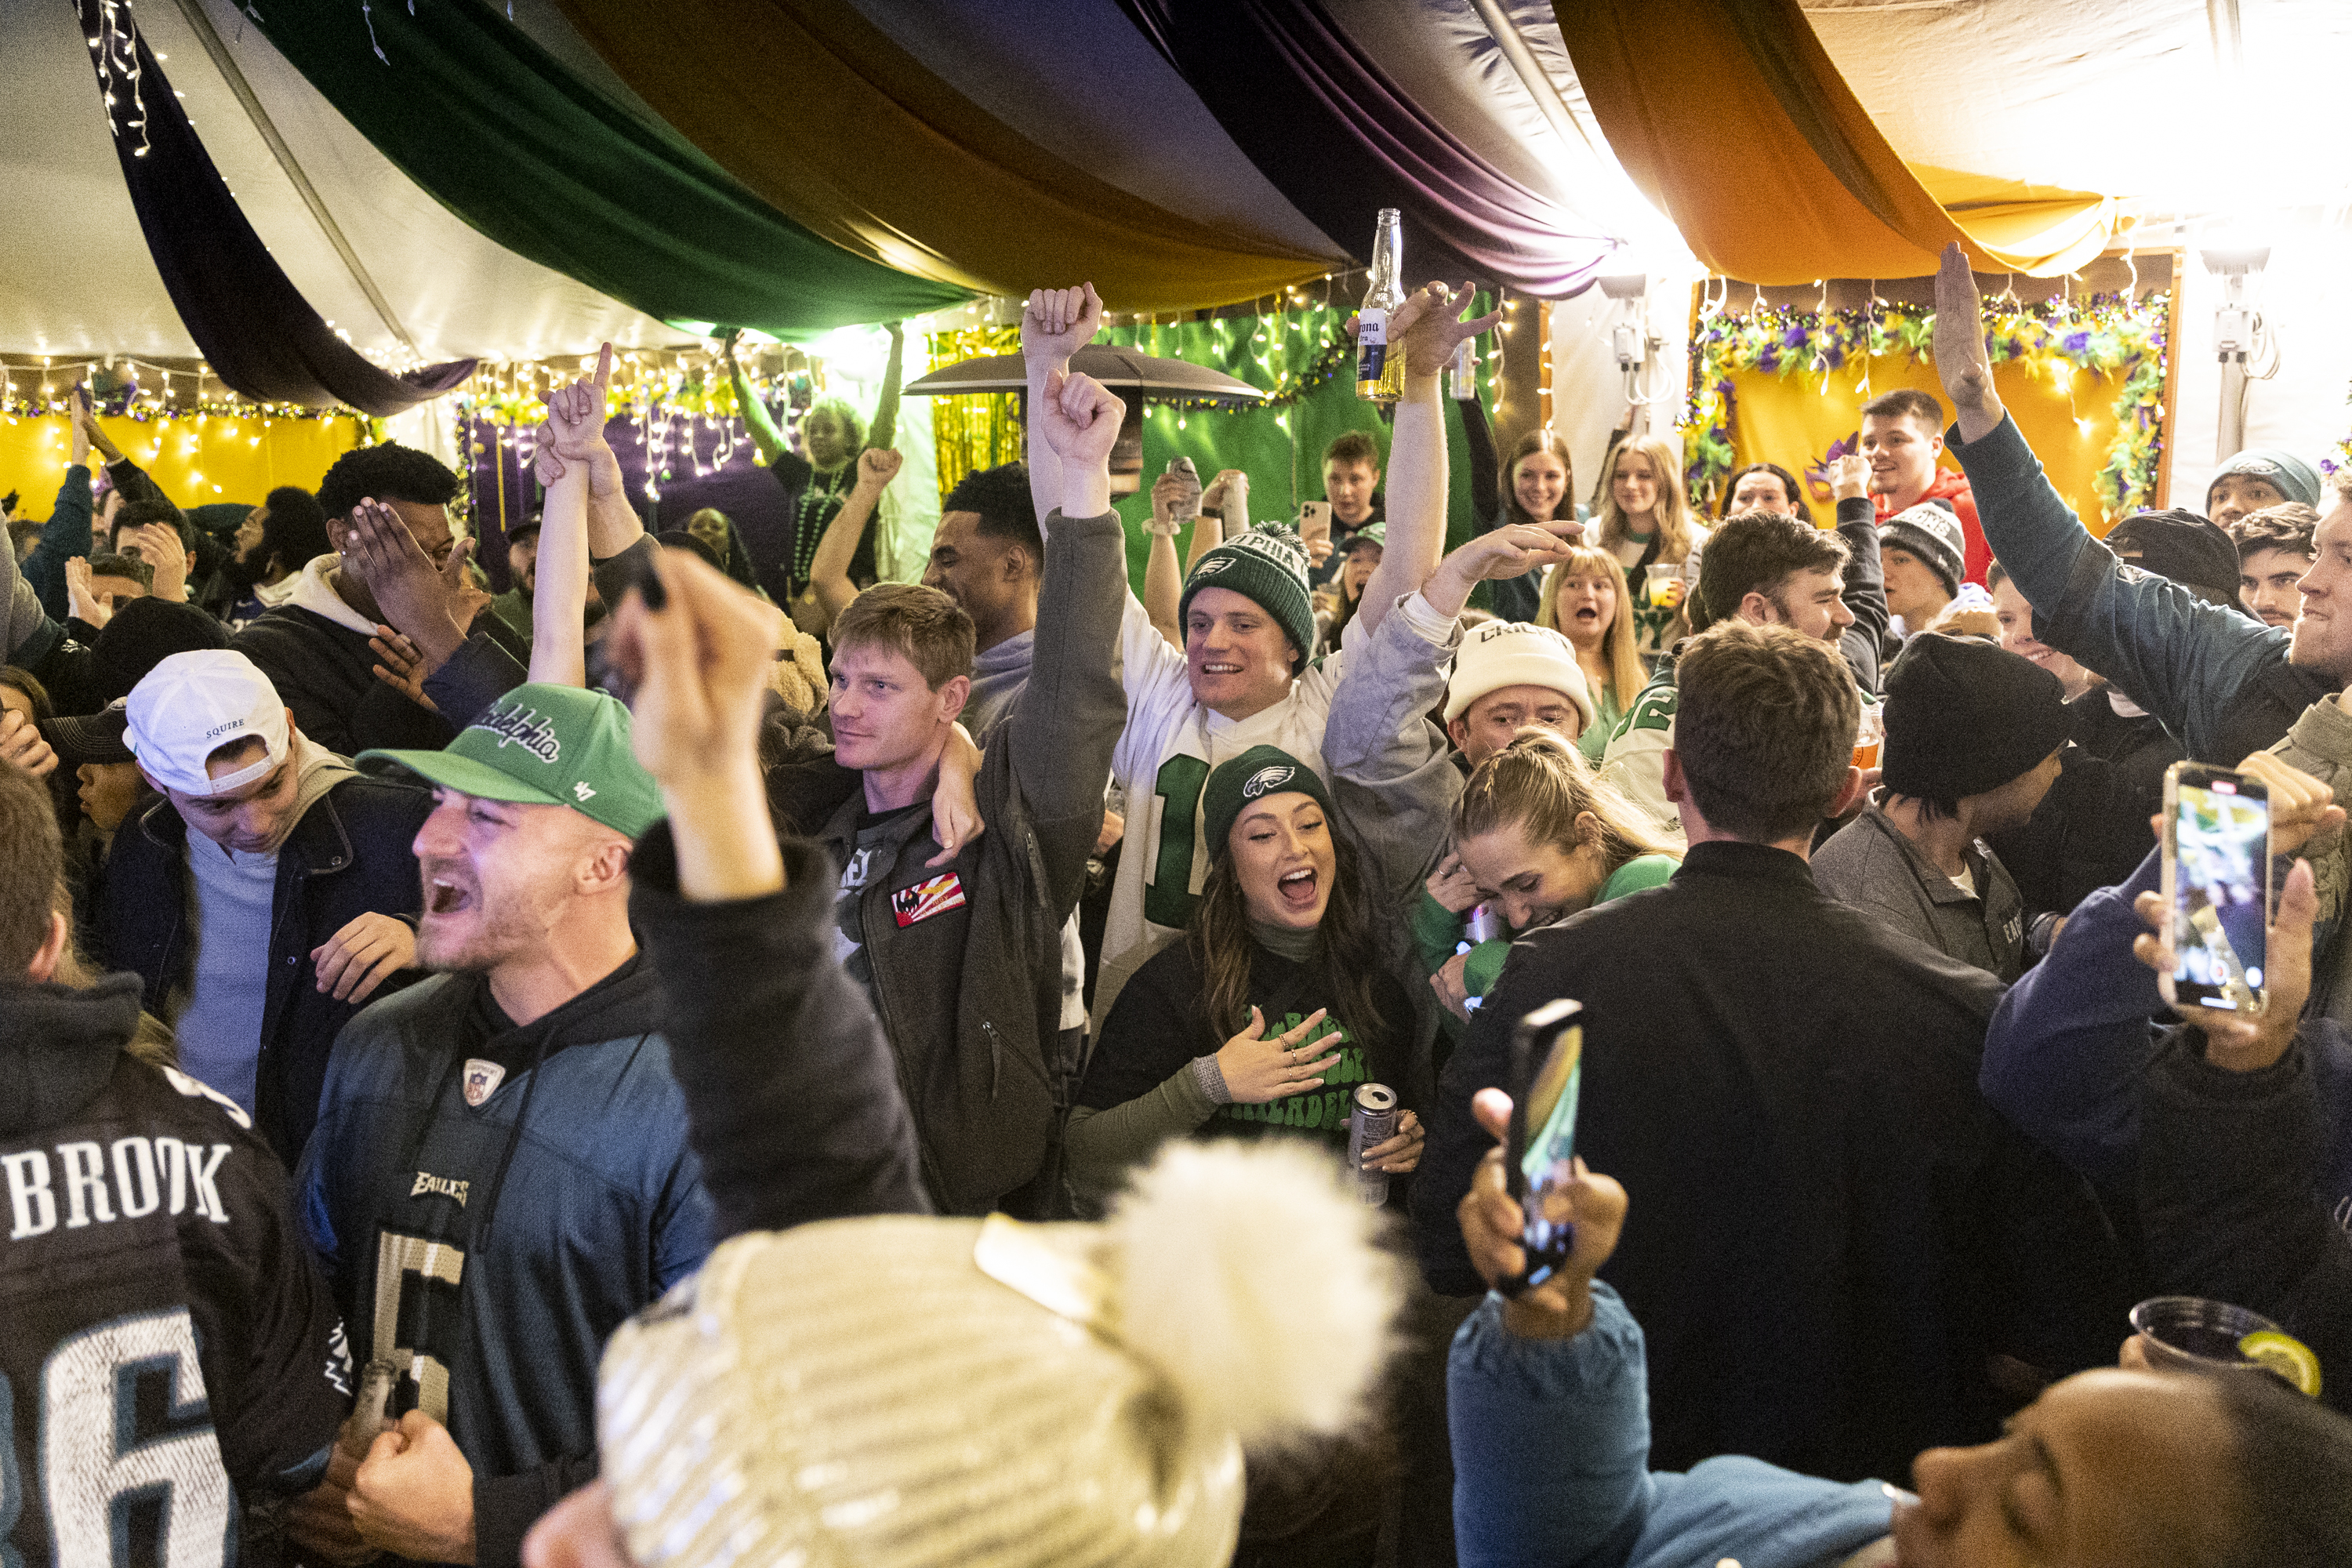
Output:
(2221, 828)
(1543, 1135)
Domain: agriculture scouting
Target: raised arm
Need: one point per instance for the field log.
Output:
(829, 568)
(1056, 323)
(1427, 329)
(558, 606)
(1865, 575)
(764, 434)
(66, 534)
(883, 431)
(737, 925)
(1163, 578)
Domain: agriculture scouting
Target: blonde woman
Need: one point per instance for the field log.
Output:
(1645, 520)
(1584, 600)
(1535, 838)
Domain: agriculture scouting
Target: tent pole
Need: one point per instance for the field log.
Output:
(193, 11)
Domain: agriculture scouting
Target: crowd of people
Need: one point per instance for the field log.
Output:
(696, 1060)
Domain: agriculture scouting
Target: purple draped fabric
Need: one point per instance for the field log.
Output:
(1339, 139)
(252, 325)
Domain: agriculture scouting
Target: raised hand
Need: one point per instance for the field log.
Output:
(2303, 809)
(80, 421)
(81, 600)
(573, 431)
(1492, 1222)
(86, 422)
(1958, 343)
(1079, 419)
(1850, 477)
(1427, 328)
(1259, 1068)
(1452, 885)
(877, 467)
(1058, 323)
(1511, 551)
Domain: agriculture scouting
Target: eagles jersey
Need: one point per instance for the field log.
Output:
(169, 1350)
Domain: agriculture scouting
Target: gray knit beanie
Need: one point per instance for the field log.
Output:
(1268, 566)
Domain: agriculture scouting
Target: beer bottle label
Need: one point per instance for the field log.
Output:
(1371, 344)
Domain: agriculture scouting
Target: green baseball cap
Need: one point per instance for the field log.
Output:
(547, 745)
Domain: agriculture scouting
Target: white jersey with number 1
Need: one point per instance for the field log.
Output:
(1163, 760)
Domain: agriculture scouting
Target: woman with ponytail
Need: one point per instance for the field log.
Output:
(1645, 520)
(1535, 838)
(1276, 1005)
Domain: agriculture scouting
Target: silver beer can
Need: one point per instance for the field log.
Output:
(1372, 1121)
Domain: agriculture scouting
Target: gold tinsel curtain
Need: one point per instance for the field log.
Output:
(980, 431)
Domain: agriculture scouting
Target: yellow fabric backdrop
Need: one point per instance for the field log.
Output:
(198, 460)
(1792, 423)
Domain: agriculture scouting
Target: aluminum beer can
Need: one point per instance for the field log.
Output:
(1372, 1121)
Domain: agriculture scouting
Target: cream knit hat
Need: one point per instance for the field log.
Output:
(902, 1391)
(1495, 654)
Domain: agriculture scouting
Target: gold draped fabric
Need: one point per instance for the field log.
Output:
(1731, 117)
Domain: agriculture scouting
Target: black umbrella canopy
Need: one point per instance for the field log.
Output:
(1115, 367)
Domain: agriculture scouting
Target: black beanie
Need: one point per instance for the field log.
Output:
(142, 635)
(1964, 717)
(2183, 546)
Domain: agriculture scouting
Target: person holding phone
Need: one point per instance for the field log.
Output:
(1547, 1396)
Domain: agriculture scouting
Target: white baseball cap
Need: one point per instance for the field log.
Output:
(1495, 654)
(193, 704)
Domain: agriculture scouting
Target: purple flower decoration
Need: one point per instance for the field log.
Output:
(1769, 358)
(1794, 338)
(1835, 358)
(2075, 342)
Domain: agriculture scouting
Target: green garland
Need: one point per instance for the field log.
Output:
(2107, 334)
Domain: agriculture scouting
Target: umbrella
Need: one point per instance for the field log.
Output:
(1116, 368)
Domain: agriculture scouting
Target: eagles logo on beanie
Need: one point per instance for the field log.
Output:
(1266, 565)
(1255, 774)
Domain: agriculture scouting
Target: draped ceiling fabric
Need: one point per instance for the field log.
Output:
(247, 318)
(546, 164)
(1732, 117)
(919, 177)
(1338, 137)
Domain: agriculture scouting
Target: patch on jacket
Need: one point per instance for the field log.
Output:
(924, 900)
(482, 1079)
(430, 1186)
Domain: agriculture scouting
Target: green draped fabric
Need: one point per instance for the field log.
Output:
(550, 166)
(1280, 449)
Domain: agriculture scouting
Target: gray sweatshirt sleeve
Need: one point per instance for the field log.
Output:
(1392, 774)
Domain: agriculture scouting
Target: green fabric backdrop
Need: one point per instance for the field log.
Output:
(1281, 449)
(505, 136)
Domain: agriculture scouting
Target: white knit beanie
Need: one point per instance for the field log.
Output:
(1495, 654)
(902, 1391)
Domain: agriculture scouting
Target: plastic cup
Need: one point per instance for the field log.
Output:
(1869, 737)
(2189, 1334)
(1659, 577)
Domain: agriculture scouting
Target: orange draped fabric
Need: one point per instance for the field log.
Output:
(836, 125)
(1731, 117)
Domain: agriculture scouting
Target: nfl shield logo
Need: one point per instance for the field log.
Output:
(482, 1079)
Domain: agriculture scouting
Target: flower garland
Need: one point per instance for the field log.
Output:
(2110, 335)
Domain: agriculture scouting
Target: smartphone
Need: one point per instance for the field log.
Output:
(1314, 521)
(1546, 1069)
(2217, 882)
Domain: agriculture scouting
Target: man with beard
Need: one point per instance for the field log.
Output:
(502, 1174)
(275, 542)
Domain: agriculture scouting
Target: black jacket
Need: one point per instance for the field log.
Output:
(1830, 1231)
(792, 1099)
(348, 856)
(153, 1277)
(2090, 831)
(2233, 1195)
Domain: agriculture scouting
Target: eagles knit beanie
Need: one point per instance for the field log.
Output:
(1268, 566)
(1964, 717)
(2282, 471)
(2183, 546)
(1257, 773)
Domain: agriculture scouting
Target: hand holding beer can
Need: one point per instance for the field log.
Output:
(1372, 1123)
